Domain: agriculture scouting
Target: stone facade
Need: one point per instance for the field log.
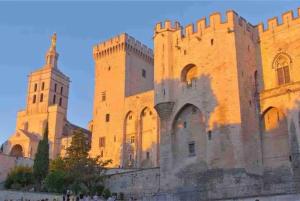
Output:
(47, 102)
(227, 96)
(212, 114)
(125, 123)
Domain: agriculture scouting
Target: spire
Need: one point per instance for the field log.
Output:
(52, 55)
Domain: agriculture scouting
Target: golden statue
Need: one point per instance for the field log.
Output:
(53, 41)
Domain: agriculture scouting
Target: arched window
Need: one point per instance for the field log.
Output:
(189, 73)
(282, 66)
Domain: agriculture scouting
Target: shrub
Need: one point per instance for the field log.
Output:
(56, 181)
(20, 177)
(106, 193)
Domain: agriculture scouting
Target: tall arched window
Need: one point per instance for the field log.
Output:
(282, 66)
(189, 73)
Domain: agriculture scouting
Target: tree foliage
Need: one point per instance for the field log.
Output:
(55, 181)
(19, 178)
(41, 160)
(81, 173)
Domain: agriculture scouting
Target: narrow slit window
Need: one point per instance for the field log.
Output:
(54, 99)
(41, 97)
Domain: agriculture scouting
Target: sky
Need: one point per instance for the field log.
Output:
(26, 29)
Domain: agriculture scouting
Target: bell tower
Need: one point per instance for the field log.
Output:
(47, 101)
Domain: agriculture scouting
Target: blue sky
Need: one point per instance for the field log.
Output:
(26, 27)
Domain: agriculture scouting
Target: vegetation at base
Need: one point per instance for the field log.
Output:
(41, 161)
(20, 178)
(77, 171)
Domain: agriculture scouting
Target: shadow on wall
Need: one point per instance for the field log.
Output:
(201, 150)
(140, 146)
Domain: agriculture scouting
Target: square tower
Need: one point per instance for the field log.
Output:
(123, 68)
(47, 102)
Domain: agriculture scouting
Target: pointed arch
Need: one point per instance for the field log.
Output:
(275, 138)
(129, 142)
(282, 65)
(148, 139)
(188, 134)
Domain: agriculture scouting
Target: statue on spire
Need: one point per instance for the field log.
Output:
(53, 41)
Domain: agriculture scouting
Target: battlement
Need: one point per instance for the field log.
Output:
(205, 25)
(287, 19)
(122, 42)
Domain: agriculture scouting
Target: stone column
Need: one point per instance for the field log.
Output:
(164, 111)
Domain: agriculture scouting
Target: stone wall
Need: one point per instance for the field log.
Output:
(18, 195)
(136, 183)
(8, 162)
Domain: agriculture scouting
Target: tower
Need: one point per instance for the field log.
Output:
(123, 89)
(47, 102)
(208, 117)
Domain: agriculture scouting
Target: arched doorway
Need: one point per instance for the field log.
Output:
(275, 139)
(188, 137)
(17, 151)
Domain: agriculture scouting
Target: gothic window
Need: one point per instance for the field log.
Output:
(282, 66)
(61, 90)
(43, 85)
(41, 97)
(55, 87)
(147, 155)
(34, 99)
(188, 74)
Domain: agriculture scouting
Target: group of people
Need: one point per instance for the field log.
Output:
(82, 197)
(69, 197)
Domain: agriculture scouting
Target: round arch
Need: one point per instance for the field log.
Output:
(17, 151)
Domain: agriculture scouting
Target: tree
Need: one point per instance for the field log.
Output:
(56, 181)
(41, 160)
(19, 178)
(84, 172)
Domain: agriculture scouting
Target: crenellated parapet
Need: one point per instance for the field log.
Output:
(122, 42)
(203, 26)
(275, 25)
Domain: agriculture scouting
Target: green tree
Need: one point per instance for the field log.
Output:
(84, 172)
(57, 164)
(41, 160)
(56, 181)
(20, 177)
